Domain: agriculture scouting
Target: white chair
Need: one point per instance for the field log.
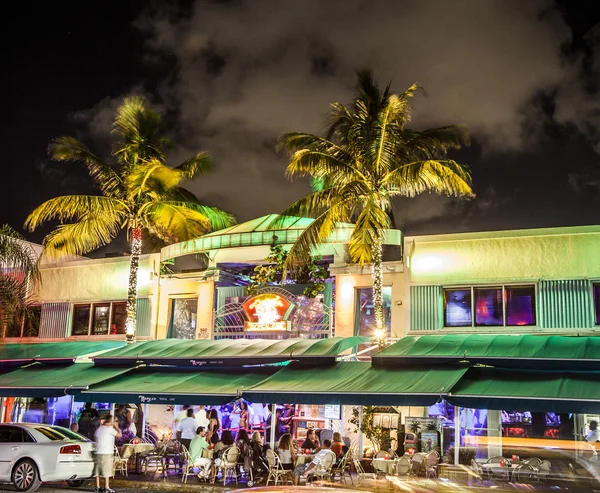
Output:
(276, 470)
(342, 468)
(360, 470)
(403, 467)
(229, 464)
(188, 466)
(323, 469)
(121, 462)
(432, 460)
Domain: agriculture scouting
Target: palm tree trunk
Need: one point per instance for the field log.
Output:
(377, 256)
(134, 264)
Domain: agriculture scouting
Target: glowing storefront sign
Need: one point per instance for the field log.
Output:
(266, 312)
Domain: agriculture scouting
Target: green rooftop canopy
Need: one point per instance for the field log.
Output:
(524, 351)
(172, 386)
(358, 383)
(544, 391)
(15, 355)
(201, 353)
(51, 381)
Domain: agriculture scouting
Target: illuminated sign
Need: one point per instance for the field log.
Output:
(266, 312)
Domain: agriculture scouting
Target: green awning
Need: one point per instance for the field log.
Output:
(523, 351)
(357, 383)
(228, 352)
(174, 386)
(39, 380)
(528, 390)
(15, 355)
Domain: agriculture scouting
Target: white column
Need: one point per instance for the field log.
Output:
(494, 433)
(112, 409)
(144, 419)
(360, 434)
(2, 410)
(273, 426)
(72, 414)
(456, 434)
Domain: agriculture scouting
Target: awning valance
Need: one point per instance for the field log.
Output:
(16, 355)
(544, 391)
(156, 385)
(54, 381)
(201, 353)
(523, 351)
(356, 383)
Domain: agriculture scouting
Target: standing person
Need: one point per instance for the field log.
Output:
(181, 414)
(244, 414)
(89, 421)
(286, 452)
(287, 419)
(202, 418)
(186, 429)
(105, 453)
(198, 446)
(213, 423)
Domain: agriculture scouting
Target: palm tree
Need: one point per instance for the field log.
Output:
(368, 157)
(140, 194)
(18, 273)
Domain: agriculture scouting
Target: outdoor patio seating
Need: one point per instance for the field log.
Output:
(154, 458)
(276, 470)
(403, 467)
(544, 470)
(419, 464)
(432, 460)
(494, 469)
(121, 462)
(188, 466)
(342, 468)
(323, 469)
(229, 463)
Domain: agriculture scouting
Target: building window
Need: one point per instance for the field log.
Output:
(27, 326)
(365, 314)
(81, 320)
(494, 306)
(457, 308)
(99, 319)
(184, 312)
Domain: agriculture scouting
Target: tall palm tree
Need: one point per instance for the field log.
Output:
(139, 193)
(368, 157)
(18, 273)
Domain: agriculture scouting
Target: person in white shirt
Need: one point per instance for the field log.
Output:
(324, 454)
(105, 453)
(593, 436)
(181, 414)
(201, 418)
(186, 429)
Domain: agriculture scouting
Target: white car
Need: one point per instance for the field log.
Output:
(31, 453)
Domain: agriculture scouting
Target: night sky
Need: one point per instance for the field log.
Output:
(231, 76)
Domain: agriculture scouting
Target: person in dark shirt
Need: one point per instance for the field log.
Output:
(311, 442)
(89, 421)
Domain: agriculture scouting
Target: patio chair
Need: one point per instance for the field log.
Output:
(121, 462)
(533, 462)
(403, 467)
(276, 470)
(229, 464)
(360, 470)
(381, 454)
(342, 468)
(543, 471)
(172, 454)
(154, 458)
(524, 474)
(418, 465)
(323, 469)
(432, 460)
(495, 470)
(188, 466)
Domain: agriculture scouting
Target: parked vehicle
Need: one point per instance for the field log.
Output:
(31, 453)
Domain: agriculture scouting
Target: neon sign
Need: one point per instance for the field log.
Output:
(266, 312)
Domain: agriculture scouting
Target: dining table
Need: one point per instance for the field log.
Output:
(302, 459)
(387, 466)
(134, 450)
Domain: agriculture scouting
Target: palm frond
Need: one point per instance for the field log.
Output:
(16, 254)
(372, 220)
(198, 165)
(90, 233)
(444, 176)
(13, 299)
(75, 207)
(151, 175)
(70, 149)
(137, 127)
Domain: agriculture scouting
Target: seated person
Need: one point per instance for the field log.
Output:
(286, 452)
(224, 443)
(337, 444)
(306, 469)
(197, 447)
(311, 442)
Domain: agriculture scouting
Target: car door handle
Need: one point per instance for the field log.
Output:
(16, 447)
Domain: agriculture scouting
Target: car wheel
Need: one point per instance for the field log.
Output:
(25, 476)
(76, 483)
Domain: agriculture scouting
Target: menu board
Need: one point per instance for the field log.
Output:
(333, 411)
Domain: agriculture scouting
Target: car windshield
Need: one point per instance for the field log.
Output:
(71, 435)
